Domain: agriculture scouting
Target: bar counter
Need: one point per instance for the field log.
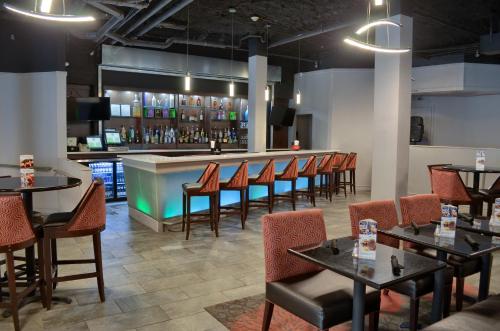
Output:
(154, 182)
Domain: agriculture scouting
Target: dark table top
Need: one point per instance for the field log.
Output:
(457, 246)
(374, 273)
(479, 225)
(464, 168)
(40, 184)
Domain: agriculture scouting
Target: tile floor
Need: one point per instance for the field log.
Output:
(159, 281)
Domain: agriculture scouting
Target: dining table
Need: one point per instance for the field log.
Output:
(479, 225)
(376, 273)
(425, 236)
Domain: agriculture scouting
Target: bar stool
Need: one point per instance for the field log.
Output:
(264, 178)
(339, 168)
(89, 219)
(16, 233)
(207, 185)
(289, 174)
(238, 182)
(351, 167)
(309, 171)
(325, 171)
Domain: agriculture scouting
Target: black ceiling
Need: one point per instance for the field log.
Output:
(441, 27)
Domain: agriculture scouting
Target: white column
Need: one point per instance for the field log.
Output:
(257, 111)
(392, 112)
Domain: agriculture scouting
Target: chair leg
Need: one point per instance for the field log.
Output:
(183, 211)
(414, 304)
(321, 185)
(211, 212)
(331, 188)
(53, 247)
(268, 315)
(270, 194)
(294, 184)
(353, 172)
(373, 321)
(98, 265)
(247, 202)
(11, 274)
(345, 184)
(47, 254)
(188, 215)
(242, 209)
(490, 209)
(216, 215)
(459, 293)
(41, 272)
(313, 193)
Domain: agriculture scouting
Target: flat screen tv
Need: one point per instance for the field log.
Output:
(282, 116)
(88, 109)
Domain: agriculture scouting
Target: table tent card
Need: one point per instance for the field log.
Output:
(27, 169)
(480, 160)
(449, 215)
(367, 239)
(495, 215)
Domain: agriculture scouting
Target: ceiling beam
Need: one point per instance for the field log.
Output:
(169, 13)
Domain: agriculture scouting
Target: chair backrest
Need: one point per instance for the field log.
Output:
(91, 212)
(449, 186)
(353, 159)
(435, 166)
(240, 177)
(210, 178)
(292, 169)
(495, 187)
(326, 163)
(285, 230)
(382, 211)
(15, 227)
(309, 168)
(339, 161)
(266, 174)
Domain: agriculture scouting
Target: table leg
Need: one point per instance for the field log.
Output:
(484, 278)
(437, 298)
(358, 306)
(30, 251)
(475, 189)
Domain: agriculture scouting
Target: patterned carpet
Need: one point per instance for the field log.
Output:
(246, 314)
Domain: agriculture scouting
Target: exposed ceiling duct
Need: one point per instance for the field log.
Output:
(107, 9)
(153, 11)
(138, 43)
(172, 26)
(124, 3)
(151, 25)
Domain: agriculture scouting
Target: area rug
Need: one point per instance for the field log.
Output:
(246, 314)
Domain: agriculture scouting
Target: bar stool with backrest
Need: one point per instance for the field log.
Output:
(384, 212)
(289, 174)
(491, 194)
(16, 233)
(351, 167)
(325, 172)
(208, 186)
(88, 220)
(340, 161)
(320, 297)
(422, 209)
(238, 182)
(450, 188)
(264, 178)
(309, 171)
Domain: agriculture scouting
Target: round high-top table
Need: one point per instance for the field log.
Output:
(40, 184)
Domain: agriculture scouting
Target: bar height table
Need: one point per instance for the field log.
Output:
(374, 273)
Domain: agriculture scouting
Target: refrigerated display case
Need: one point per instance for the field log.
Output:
(111, 173)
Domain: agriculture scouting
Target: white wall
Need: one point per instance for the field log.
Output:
(341, 102)
(468, 121)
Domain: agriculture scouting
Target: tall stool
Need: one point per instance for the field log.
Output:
(309, 171)
(238, 182)
(16, 233)
(289, 174)
(325, 172)
(339, 170)
(264, 178)
(207, 185)
(351, 167)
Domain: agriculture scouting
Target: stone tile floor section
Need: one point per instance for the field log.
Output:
(159, 281)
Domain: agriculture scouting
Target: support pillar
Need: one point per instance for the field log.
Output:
(257, 108)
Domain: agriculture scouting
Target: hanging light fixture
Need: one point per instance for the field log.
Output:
(298, 96)
(266, 93)
(187, 78)
(366, 29)
(231, 85)
(44, 13)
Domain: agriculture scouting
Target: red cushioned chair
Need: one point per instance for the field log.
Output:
(238, 182)
(422, 209)
(325, 172)
(289, 174)
(89, 219)
(491, 194)
(320, 297)
(309, 171)
(16, 233)
(384, 212)
(264, 178)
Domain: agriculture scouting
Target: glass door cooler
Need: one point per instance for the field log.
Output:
(111, 173)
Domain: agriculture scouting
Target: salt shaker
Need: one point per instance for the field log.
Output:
(355, 250)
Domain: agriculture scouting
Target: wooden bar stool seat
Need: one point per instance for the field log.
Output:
(238, 182)
(264, 178)
(207, 185)
(289, 174)
(309, 171)
(325, 172)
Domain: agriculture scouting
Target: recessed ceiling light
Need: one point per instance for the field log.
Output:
(254, 18)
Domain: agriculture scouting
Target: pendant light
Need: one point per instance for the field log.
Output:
(267, 92)
(187, 78)
(231, 85)
(298, 97)
(44, 13)
(366, 29)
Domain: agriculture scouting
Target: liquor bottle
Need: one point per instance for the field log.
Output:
(158, 136)
(183, 117)
(191, 101)
(136, 106)
(123, 134)
(223, 115)
(221, 135)
(174, 134)
(131, 137)
(201, 116)
(202, 136)
(153, 101)
(198, 102)
(183, 102)
(137, 136)
(224, 137)
(162, 135)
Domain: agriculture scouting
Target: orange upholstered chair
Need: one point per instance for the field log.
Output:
(16, 233)
(320, 297)
(309, 171)
(238, 182)
(384, 212)
(289, 174)
(491, 194)
(422, 209)
(340, 161)
(325, 172)
(264, 178)
(207, 185)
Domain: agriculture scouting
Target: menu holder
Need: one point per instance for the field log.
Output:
(495, 215)
(448, 225)
(27, 169)
(367, 239)
(480, 160)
